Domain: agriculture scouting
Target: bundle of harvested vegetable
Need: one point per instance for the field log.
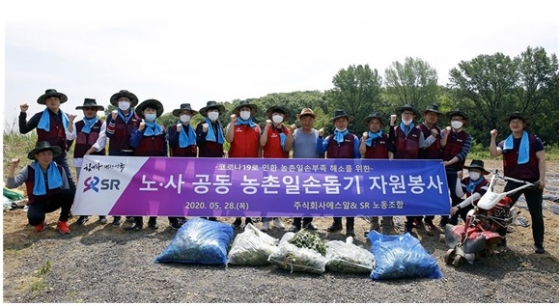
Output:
(289, 257)
(349, 258)
(310, 240)
(252, 248)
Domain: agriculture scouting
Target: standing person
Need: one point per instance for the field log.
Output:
(47, 186)
(524, 159)
(406, 143)
(210, 133)
(376, 144)
(243, 135)
(119, 127)
(149, 139)
(90, 137)
(430, 146)
(342, 144)
(276, 141)
(474, 186)
(182, 143)
(304, 145)
(51, 125)
(456, 144)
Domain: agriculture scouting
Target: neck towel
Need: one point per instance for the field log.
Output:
(245, 122)
(88, 124)
(523, 155)
(45, 121)
(211, 135)
(124, 117)
(407, 129)
(372, 136)
(472, 184)
(53, 177)
(152, 129)
(187, 136)
(339, 136)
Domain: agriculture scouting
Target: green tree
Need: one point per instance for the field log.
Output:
(357, 90)
(413, 82)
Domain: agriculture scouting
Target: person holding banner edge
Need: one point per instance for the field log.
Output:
(90, 137)
(149, 139)
(243, 135)
(342, 144)
(120, 124)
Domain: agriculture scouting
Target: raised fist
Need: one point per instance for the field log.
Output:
(72, 117)
(494, 133)
(142, 125)
(293, 127)
(435, 133)
(365, 135)
(233, 117)
(114, 114)
(321, 132)
(179, 127)
(24, 107)
(14, 162)
(393, 119)
(205, 127)
(268, 122)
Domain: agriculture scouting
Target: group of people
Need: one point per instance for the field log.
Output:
(133, 131)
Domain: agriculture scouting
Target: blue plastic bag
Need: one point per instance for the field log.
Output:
(199, 241)
(401, 256)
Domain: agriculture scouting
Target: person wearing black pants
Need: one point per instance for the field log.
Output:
(523, 159)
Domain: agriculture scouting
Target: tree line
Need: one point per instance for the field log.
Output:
(486, 87)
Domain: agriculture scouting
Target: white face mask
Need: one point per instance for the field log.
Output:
(407, 122)
(474, 176)
(124, 105)
(185, 118)
(456, 124)
(245, 115)
(150, 117)
(213, 116)
(277, 118)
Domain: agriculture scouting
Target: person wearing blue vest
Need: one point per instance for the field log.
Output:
(51, 126)
(523, 159)
(90, 138)
(342, 144)
(46, 184)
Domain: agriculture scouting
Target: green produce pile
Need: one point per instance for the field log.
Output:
(310, 240)
(349, 258)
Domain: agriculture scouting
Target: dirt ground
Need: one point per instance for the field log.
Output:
(99, 263)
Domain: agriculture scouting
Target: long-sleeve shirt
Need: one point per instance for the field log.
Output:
(21, 178)
(98, 145)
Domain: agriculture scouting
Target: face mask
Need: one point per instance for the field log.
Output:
(150, 117)
(407, 122)
(124, 105)
(456, 124)
(474, 176)
(277, 118)
(245, 115)
(185, 118)
(213, 116)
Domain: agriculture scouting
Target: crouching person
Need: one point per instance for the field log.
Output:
(47, 186)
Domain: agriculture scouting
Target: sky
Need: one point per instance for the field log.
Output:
(197, 51)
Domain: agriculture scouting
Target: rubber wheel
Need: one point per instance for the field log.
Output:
(449, 256)
(457, 261)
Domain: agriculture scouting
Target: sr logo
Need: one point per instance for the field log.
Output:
(95, 184)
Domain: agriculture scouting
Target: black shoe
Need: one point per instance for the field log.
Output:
(310, 226)
(502, 243)
(128, 219)
(82, 220)
(237, 223)
(539, 249)
(294, 229)
(212, 219)
(249, 221)
(350, 232)
(409, 227)
(152, 223)
(136, 226)
(334, 228)
(102, 219)
(175, 225)
(116, 221)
